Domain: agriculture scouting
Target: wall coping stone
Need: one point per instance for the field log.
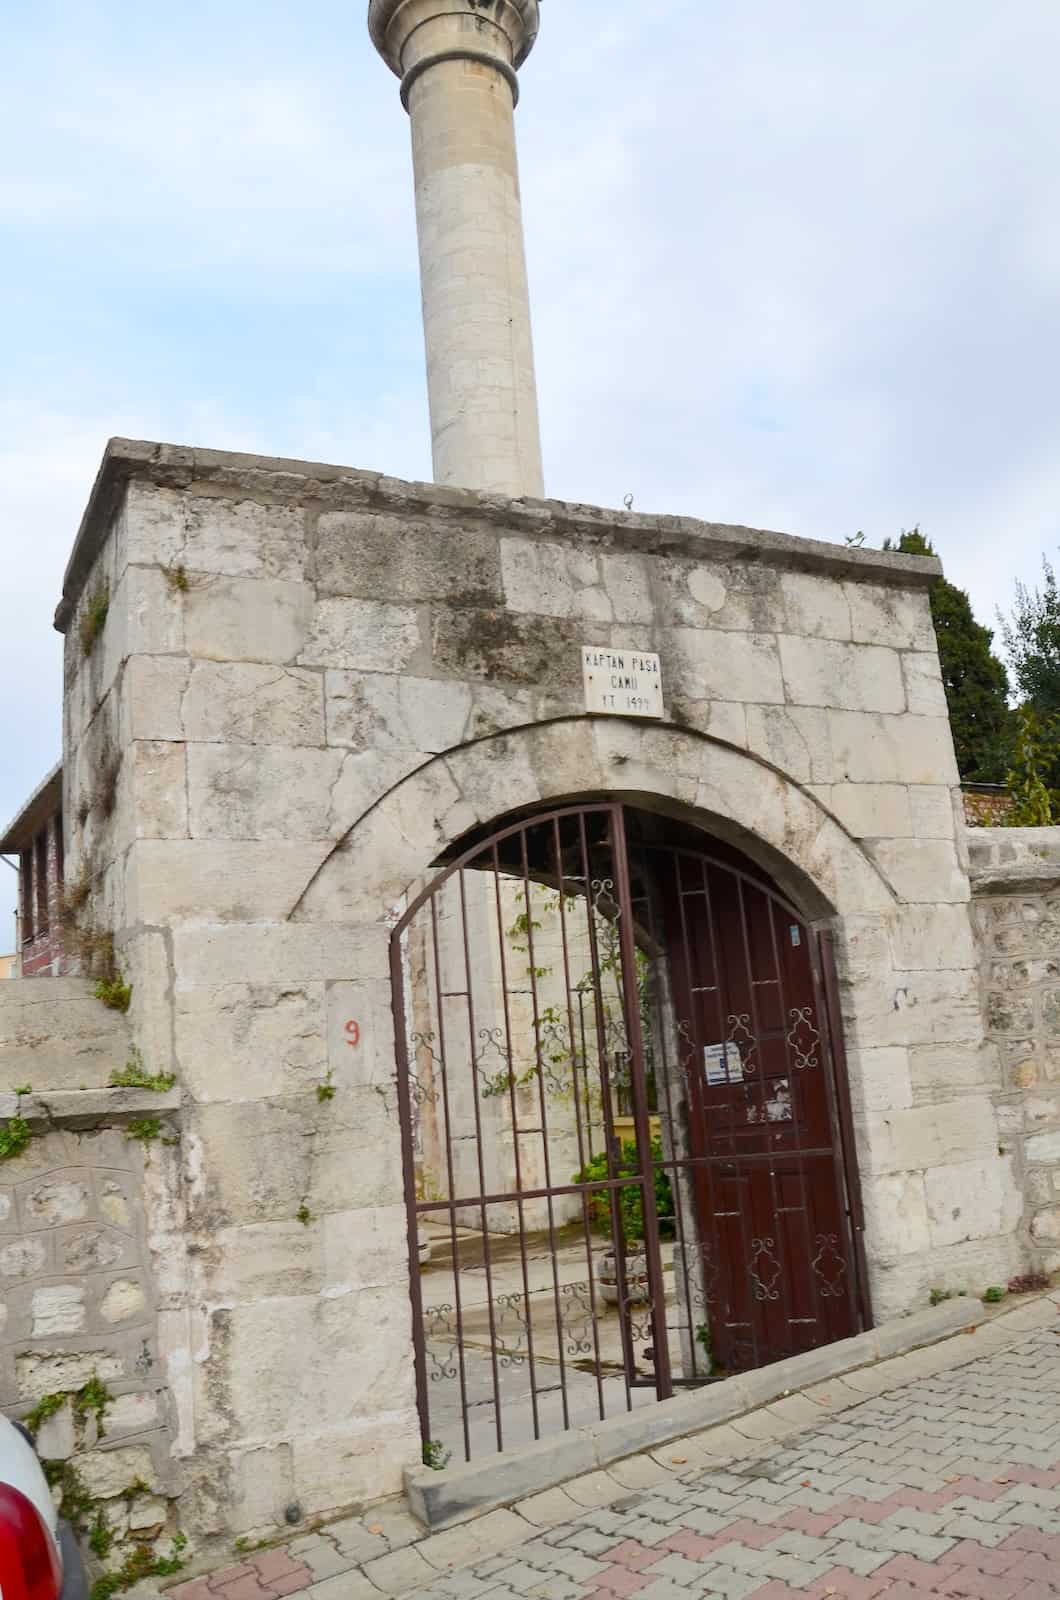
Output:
(1014, 860)
(283, 480)
(439, 1499)
(73, 1108)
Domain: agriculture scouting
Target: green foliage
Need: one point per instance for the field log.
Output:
(15, 1135)
(975, 681)
(115, 994)
(75, 1502)
(94, 615)
(93, 1399)
(937, 1296)
(134, 1075)
(703, 1338)
(629, 1196)
(45, 1408)
(326, 1090)
(436, 1456)
(994, 1295)
(101, 1538)
(139, 1564)
(1032, 642)
(1034, 762)
(304, 1215)
(177, 578)
(146, 1129)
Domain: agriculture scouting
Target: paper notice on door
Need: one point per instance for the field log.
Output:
(722, 1063)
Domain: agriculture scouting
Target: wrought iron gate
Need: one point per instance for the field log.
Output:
(627, 1151)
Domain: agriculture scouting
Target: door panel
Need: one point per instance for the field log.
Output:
(769, 1171)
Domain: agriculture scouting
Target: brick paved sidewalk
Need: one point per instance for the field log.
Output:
(947, 1486)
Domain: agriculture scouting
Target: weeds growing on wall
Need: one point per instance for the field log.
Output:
(140, 1564)
(46, 1407)
(75, 895)
(105, 792)
(146, 1129)
(134, 1075)
(93, 1400)
(177, 578)
(114, 992)
(93, 617)
(15, 1132)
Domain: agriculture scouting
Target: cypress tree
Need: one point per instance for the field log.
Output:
(975, 681)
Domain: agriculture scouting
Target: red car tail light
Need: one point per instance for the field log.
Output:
(29, 1562)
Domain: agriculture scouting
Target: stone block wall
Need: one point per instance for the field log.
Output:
(310, 682)
(79, 1299)
(1016, 906)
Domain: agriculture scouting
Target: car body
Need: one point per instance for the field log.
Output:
(39, 1558)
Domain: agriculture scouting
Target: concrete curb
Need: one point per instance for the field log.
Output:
(440, 1499)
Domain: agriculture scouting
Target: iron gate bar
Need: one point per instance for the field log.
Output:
(449, 1162)
(520, 1201)
(582, 1156)
(672, 1164)
(397, 1000)
(826, 944)
(840, 1156)
(745, 944)
(722, 991)
(607, 1107)
(544, 1126)
(713, 1237)
(653, 1256)
(793, 1081)
(721, 1149)
(603, 1185)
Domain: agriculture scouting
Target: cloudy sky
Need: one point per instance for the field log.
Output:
(794, 265)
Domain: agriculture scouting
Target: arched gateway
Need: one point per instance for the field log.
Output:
(628, 1155)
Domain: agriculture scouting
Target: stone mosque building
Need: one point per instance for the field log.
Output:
(523, 965)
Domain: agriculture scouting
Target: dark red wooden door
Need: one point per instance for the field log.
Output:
(765, 1153)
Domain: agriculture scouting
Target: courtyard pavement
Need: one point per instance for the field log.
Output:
(946, 1484)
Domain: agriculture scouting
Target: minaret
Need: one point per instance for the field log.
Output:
(457, 62)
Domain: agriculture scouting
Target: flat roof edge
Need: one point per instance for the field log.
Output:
(180, 466)
(43, 803)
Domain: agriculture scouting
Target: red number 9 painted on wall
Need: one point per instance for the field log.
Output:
(353, 1031)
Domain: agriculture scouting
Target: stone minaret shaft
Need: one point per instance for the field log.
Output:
(457, 62)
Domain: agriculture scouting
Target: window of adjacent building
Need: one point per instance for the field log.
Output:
(26, 879)
(41, 875)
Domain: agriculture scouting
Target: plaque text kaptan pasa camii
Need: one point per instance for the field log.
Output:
(624, 683)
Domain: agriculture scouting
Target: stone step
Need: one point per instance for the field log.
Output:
(55, 1034)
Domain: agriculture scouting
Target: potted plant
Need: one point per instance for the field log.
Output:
(630, 1219)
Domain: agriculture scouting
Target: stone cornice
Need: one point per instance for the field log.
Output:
(277, 480)
(382, 13)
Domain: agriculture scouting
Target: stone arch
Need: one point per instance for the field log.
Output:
(388, 854)
(389, 848)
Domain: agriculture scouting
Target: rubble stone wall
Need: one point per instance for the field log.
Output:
(79, 1298)
(310, 681)
(1016, 906)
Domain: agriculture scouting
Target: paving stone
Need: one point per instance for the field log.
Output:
(347, 1586)
(594, 1489)
(399, 1572)
(546, 1509)
(948, 1485)
(325, 1561)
